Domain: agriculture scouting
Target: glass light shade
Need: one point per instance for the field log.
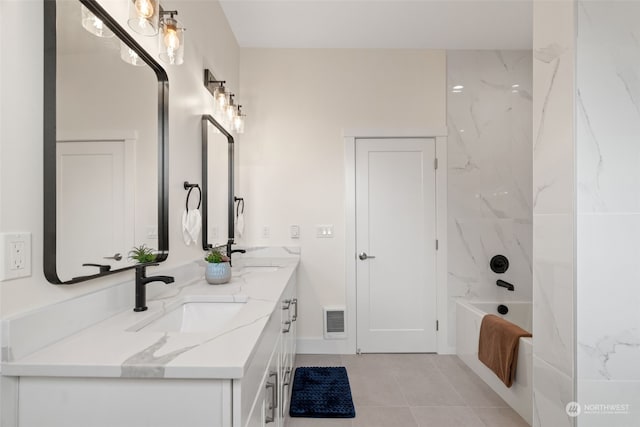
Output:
(94, 25)
(143, 16)
(238, 123)
(129, 56)
(230, 111)
(220, 98)
(171, 41)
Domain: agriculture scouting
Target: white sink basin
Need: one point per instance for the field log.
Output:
(194, 315)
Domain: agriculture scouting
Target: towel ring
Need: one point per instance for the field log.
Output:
(190, 187)
(240, 200)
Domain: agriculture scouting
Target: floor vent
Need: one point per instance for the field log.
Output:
(334, 322)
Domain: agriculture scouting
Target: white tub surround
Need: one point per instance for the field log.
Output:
(489, 174)
(469, 316)
(213, 375)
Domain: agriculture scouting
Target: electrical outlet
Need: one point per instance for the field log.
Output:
(266, 232)
(15, 255)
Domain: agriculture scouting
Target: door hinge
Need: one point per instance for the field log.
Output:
(437, 244)
(437, 325)
(435, 163)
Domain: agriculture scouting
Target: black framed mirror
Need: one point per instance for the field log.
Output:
(217, 185)
(105, 146)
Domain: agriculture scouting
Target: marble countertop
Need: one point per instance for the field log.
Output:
(113, 347)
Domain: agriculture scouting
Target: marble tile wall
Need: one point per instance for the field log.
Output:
(608, 213)
(553, 212)
(489, 174)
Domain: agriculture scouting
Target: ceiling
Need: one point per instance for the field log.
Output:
(394, 24)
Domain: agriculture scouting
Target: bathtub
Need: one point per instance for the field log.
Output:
(468, 318)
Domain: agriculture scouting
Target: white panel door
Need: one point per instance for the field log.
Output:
(395, 215)
(91, 201)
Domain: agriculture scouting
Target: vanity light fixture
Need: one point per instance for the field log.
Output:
(94, 25)
(171, 38)
(144, 16)
(226, 108)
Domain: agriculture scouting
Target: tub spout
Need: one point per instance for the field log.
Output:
(504, 284)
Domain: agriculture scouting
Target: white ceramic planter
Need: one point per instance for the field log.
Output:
(218, 273)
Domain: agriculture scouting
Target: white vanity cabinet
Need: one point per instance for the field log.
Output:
(252, 389)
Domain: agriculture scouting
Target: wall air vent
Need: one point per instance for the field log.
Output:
(334, 322)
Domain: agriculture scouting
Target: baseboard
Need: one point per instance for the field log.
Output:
(321, 346)
(447, 350)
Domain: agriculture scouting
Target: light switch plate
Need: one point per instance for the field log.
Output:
(15, 255)
(324, 231)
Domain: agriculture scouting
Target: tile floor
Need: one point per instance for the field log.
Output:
(413, 390)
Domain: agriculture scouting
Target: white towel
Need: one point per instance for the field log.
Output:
(191, 225)
(240, 217)
(240, 223)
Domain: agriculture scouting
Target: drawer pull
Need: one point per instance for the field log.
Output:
(295, 311)
(274, 398)
(287, 327)
(286, 304)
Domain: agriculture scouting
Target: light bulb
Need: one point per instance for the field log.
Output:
(144, 8)
(171, 39)
(238, 123)
(222, 100)
(231, 111)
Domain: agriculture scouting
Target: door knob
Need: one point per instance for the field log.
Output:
(363, 256)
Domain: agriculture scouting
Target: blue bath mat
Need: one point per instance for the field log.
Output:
(321, 393)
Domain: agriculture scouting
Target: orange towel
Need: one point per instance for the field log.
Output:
(498, 346)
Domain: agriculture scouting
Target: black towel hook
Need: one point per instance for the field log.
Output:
(190, 187)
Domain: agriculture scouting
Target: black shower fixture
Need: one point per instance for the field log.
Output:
(499, 264)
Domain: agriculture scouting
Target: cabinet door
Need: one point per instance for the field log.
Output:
(265, 411)
(289, 317)
(271, 406)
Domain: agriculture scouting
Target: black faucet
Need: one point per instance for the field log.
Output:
(504, 284)
(141, 282)
(233, 251)
(103, 268)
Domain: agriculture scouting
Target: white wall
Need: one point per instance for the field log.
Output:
(553, 212)
(210, 44)
(299, 103)
(489, 174)
(608, 211)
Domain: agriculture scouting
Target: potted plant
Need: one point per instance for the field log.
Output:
(142, 254)
(218, 268)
